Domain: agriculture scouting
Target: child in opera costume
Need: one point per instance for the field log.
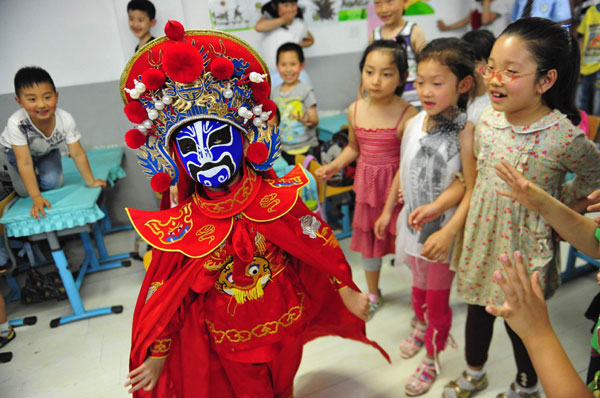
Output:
(242, 273)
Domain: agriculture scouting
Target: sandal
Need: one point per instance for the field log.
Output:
(375, 303)
(413, 343)
(514, 393)
(420, 382)
(465, 386)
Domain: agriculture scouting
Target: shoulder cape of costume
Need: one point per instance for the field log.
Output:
(182, 270)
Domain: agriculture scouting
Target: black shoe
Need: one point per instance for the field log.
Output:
(5, 357)
(11, 336)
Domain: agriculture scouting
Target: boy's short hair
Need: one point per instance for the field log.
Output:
(142, 5)
(29, 76)
(290, 47)
(481, 41)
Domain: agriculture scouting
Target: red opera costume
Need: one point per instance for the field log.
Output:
(241, 277)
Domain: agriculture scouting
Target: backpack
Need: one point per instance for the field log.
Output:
(330, 150)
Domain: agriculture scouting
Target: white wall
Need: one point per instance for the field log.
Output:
(88, 41)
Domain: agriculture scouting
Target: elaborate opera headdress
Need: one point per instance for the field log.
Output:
(187, 76)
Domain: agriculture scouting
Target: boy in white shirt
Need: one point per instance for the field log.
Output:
(33, 136)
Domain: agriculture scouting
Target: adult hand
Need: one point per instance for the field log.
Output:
(39, 202)
(146, 375)
(524, 307)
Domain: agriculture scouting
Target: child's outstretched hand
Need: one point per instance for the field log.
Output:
(422, 215)
(325, 172)
(146, 375)
(356, 302)
(524, 307)
(530, 195)
(98, 183)
(39, 202)
(437, 246)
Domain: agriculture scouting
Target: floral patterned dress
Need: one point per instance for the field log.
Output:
(544, 152)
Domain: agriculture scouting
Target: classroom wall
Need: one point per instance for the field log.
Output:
(85, 44)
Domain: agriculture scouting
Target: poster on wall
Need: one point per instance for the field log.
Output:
(234, 15)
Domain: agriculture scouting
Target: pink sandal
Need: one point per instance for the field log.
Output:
(420, 382)
(413, 343)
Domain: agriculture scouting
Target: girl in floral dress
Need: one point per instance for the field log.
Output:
(532, 76)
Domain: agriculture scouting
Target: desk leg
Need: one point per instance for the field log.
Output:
(107, 227)
(103, 254)
(571, 271)
(79, 312)
(108, 262)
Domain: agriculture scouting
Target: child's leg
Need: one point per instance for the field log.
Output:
(49, 171)
(595, 95)
(284, 367)
(585, 93)
(372, 267)
(439, 313)
(13, 173)
(526, 376)
(248, 380)
(419, 288)
(478, 336)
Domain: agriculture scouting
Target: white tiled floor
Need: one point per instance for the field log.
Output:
(90, 358)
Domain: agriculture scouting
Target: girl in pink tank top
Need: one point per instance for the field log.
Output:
(376, 126)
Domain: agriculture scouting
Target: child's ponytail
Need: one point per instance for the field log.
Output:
(553, 47)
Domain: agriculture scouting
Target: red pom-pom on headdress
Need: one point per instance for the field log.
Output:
(260, 91)
(174, 30)
(134, 138)
(221, 68)
(257, 152)
(135, 112)
(182, 62)
(160, 182)
(153, 79)
(269, 106)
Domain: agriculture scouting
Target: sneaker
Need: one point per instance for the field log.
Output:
(414, 342)
(420, 382)
(11, 336)
(375, 303)
(514, 393)
(465, 386)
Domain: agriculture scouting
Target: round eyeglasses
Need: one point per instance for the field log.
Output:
(504, 76)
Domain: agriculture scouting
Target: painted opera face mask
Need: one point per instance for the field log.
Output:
(210, 151)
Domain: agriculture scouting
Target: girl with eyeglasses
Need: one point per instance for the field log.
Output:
(532, 76)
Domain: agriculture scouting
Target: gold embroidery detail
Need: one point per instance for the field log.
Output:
(269, 202)
(217, 259)
(262, 330)
(206, 233)
(241, 196)
(160, 346)
(176, 227)
(153, 288)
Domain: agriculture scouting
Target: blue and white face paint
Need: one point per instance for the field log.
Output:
(211, 151)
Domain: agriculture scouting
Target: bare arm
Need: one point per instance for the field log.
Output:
(348, 155)
(525, 310)
(265, 24)
(307, 41)
(83, 165)
(576, 229)
(458, 24)
(27, 173)
(487, 17)
(384, 218)
(417, 39)
(429, 212)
